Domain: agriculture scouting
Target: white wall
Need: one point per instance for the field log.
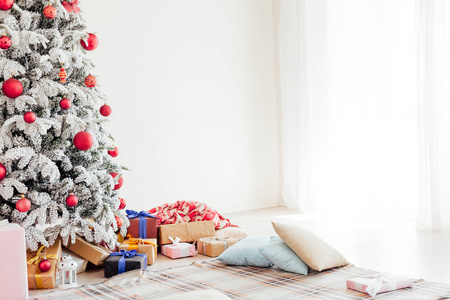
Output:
(192, 85)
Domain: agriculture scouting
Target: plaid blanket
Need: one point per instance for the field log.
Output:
(241, 283)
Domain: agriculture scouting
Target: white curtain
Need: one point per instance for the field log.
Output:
(364, 88)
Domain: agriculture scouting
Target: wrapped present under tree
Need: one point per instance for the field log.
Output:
(38, 277)
(143, 246)
(124, 261)
(142, 224)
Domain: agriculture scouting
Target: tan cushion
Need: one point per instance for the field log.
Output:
(317, 254)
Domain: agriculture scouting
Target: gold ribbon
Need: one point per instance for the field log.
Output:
(133, 243)
(36, 260)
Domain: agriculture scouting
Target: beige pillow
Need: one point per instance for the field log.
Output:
(317, 254)
(231, 232)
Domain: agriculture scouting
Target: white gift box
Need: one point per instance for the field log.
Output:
(82, 263)
(373, 284)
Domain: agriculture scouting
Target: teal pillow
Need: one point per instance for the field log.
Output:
(278, 253)
(246, 253)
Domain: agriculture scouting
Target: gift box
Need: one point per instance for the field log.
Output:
(177, 249)
(13, 273)
(36, 278)
(186, 232)
(81, 262)
(142, 225)
(94, 253)
(124, 261)
(373, 284)
(147, 246)
(214, 246)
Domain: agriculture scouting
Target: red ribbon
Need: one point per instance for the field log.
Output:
(72, 7)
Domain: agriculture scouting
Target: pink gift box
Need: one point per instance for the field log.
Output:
(178, 250)
(378, 283)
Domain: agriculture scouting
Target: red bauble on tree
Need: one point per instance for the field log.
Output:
(119, 221)
(12, 88)
(119, 184)
(29, 117)
(65, 103)
(2, 171)
(114, 153)
(6, 4)
(90, 81)
(83, 140)
(71, 200)
(92, 42)
(62, 74)
(49, 12)
(123, 204)
(5, 42)
(105, 110)
(23, 205)
(44, 265)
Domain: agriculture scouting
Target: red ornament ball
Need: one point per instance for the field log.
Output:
(92, 42)
(90, 81)
(83, 140)
(6, 4)
(5, 42)
(2, 171)
(123, 204)
(119, 221)
(23, 205)
(29, 117)
(120, 183)
(65, 103)
(105, 110)
(114, 153)
(72, 200)
(44, 265)
(49, 12)
(12, 88)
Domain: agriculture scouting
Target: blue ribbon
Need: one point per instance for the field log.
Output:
(142, 221)
(126, 254)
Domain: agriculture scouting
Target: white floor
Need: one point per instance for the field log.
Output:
(383, 245)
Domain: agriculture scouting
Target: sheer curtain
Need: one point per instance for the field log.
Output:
(364, 98)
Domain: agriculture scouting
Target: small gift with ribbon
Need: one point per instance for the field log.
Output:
(36, 278)
(373, 284)
(145, 246)
(143, 225)
(124, 261)
(177, 249)
(187, 232)
(214, 246)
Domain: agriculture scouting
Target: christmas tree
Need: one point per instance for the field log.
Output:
(57, 170)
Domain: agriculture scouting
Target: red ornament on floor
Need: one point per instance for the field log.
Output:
(120, 183)
(2, 171)
(44, 265)
(49, 12)
(65, 103)
(6, 4)
(92, 42)
(90, 81)
(119, 221)
(29, 117)
(123, 204)
(105, 110)
(23, 205)
(72, 200)
(12, 88)
(114, 153)
(83, 140)
(5, 42)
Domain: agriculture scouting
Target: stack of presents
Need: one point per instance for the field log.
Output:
(145, 238)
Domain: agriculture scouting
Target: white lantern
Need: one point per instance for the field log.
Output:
(68, 272)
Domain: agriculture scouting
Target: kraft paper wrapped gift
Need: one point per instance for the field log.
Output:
(186, 232)
(124, 261)
(213, 246)
(81, 262)
(146, 246)
(93, 253)
(13, 273)
(38, 279)
(378, 283)
(142, 225)
(177, 249)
